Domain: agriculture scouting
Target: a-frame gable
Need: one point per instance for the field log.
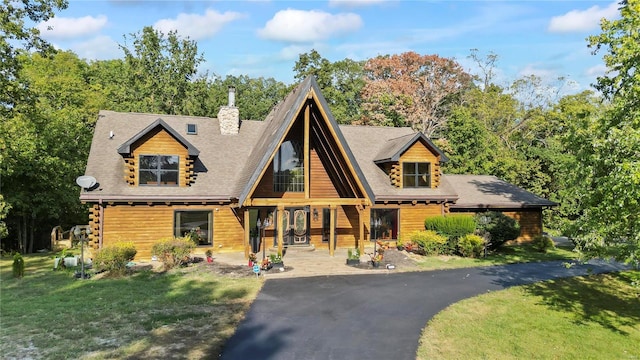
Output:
(279, 122)
(125, 148)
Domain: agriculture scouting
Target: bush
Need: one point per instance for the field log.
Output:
(429, 242)
(451, 226)
(18, 266)
(471, 245)
(499, 226)
(173, 251)
(115, 258)
(543, 243)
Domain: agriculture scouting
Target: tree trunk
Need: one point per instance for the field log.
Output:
(31, 234)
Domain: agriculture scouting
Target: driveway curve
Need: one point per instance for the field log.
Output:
(372, 316)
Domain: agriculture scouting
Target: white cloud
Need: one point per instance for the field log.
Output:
(598, 70)
(67, 28)
(544, 74)
(197, 26)
(582, 20)
(354, 3)
(309, 26)
(98, 48)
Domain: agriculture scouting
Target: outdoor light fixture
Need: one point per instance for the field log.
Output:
(261, 226)
(315, 214)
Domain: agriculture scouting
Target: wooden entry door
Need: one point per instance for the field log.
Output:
(295, 223)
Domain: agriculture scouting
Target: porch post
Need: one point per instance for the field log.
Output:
(332, 230)
(278, 226)
(361, 222)
(247, 233)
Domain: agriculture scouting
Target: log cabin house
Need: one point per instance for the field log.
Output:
(318, 183)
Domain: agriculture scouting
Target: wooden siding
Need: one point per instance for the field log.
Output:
(160, 142)
(412, 216)
(420, 153)
(144, 225)
(321, 185)
(530, 223)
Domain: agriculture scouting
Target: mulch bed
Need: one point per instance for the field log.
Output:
(399, 259)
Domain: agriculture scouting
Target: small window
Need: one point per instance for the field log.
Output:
(196, 225)
(416, 174)
(192, 129)
(384, 224)
(159, 170)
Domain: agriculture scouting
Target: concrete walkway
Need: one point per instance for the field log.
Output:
(305, 262)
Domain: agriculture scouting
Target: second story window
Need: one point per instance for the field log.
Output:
(159, 170)
(288, 168)
(416, 174)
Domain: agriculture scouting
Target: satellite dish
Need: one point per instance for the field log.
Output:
(86, 181)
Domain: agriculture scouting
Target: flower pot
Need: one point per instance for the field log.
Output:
(209, 259)
(375, 264)
(353, 262)
(278, 265)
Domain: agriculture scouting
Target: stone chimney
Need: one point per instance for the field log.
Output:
(229, 116)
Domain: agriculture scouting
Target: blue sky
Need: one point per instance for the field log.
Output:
(264, 38)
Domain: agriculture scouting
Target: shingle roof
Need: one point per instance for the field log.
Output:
(486, 191)
(366, 142)
(228, 165)
(221, 157)
(126, 147)
(396, 147)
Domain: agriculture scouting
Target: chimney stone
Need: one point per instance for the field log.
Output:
(229, 116)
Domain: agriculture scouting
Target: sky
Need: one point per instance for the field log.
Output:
(264, 38)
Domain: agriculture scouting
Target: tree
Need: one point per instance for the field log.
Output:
(254, 96)
(341, 83)
(608, 148)
(47, 143)
(411, 89)
(17, 38)
(158, 71)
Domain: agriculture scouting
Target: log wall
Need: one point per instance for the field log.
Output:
(145, 225)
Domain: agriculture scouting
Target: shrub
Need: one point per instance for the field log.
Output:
(18, 266)
(542, 243)
(429, 242)
(499, 226)
(471, 245)
(173, 251)
(114, 258)
(451, 226)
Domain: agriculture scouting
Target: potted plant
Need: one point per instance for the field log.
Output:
(377, 257)
(252, 259)
(209, 255)
(276, 261)
(266, 264)
(353, 257)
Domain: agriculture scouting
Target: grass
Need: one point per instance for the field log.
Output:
(505, 255)
(591, 317)
(184, 313)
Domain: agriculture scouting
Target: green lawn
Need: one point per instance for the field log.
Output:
(505, 255)
(591, 317)
(49, 314)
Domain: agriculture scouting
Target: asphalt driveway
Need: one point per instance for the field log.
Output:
(373, 316)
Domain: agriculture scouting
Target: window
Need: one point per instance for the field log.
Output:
(288, 168)
(197, 225)
(192, 129)
(159, 170)
(416, 174)
(384, 224)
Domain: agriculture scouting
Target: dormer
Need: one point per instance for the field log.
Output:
(158, 156)
(411, 161)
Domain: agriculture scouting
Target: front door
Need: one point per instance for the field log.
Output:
(294, 223)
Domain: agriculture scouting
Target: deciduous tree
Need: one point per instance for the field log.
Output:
(411, 89)
(608, 148)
